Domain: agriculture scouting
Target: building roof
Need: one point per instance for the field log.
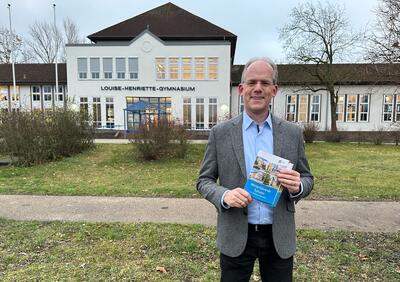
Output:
(33, 74)
(170, 23)
(344, 74)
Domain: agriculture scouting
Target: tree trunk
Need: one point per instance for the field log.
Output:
(333, 102)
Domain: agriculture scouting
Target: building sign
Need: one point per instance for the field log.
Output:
(148, 88)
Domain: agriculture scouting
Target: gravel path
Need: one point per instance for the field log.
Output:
(326, 215)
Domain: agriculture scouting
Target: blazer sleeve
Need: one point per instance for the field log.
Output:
(306, 177)
(208, 175)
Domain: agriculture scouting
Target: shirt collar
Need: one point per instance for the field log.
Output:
(247, 121)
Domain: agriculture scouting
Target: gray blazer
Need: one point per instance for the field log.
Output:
(224, 168)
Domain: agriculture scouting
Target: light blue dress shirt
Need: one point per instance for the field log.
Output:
(255, 140)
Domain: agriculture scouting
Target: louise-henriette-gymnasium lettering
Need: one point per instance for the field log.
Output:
(151, 66)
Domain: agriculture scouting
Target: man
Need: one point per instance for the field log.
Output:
(249, 229)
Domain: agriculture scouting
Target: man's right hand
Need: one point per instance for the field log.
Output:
(237, 198)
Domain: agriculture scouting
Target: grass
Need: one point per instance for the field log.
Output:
(58, 251)
(342, 171)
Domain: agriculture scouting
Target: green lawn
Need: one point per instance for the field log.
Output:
(342, 171)
(60, 251)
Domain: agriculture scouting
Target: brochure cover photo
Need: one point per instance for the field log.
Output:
(262, 183)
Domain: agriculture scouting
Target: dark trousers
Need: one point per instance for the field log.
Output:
(259, 246)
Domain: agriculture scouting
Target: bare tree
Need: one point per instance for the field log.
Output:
(384, 42)
(45, 41)
(13, 43)
(71, 35)
(318, 36)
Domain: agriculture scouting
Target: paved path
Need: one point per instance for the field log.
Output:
(327, 215)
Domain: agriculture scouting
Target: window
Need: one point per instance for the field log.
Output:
(60, 92)
(173, 68)
(199, 68)
(187, 113)
(36, 93)
(14, 95)
(351, 107)
(186, 68)
(95, 68)
(397, 107)
(120, 68)
(3, 93)
(160, 68)
(47, 92)
(96, 112)
(82, 68)
(388, 107)
(303, 108)
(291, 107)
(107, 68)
(363, 108)
(199, 113)
(133, 68)
(340, 108)
(314, 109)
(213, 68)
(212, 112)
(110, 112)
(84, 108)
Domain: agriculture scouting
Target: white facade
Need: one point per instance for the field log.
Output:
(178, 72)
(361, 107)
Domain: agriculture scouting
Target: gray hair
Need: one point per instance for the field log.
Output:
(263, 59)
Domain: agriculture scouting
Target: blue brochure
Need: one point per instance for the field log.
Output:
(262, 183)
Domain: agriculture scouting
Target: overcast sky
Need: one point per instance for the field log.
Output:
(255, 22)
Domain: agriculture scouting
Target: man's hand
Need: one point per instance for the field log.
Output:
(237, 198)
(290, 179)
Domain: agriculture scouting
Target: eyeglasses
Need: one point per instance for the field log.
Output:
(264, 83)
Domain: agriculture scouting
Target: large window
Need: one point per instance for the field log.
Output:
(3, 93)
(82, 68)
(391, 107)
(160, 68)
(363, 108)
(47, 92)
(199, 113)
(303, 108)
(108, 68)
(133, 67)
(110, 112)
(212, 112)
(351, 107)
(340, 108)
(199, 68)
(187, 113)
(84, 108)
(120, 67)
(291, 107)
(186, 68)
(315, 108)
(96, 112)
(95, 68)
(60, 93)
(213, 68)
(36, 93)
(173, 68)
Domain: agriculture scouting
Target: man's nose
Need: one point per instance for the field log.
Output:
(258, 86)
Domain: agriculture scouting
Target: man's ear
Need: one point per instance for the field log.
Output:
(275, 92)
(240, 89)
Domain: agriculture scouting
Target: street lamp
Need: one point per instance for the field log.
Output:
(11, 54)
(56, 55)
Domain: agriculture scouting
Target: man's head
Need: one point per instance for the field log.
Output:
(258, 86)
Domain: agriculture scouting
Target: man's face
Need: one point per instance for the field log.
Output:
(258, 88)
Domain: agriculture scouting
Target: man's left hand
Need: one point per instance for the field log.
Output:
(290, 179)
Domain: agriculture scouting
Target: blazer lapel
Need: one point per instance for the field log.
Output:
(237, 142)
(277, 136)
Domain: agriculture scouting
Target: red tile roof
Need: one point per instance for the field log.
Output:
(170, 23)
(33, 74)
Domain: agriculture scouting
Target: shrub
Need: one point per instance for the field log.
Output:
(378, 135)
(161, 139)
(310, 131)
(36, 137)
(395, 133)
